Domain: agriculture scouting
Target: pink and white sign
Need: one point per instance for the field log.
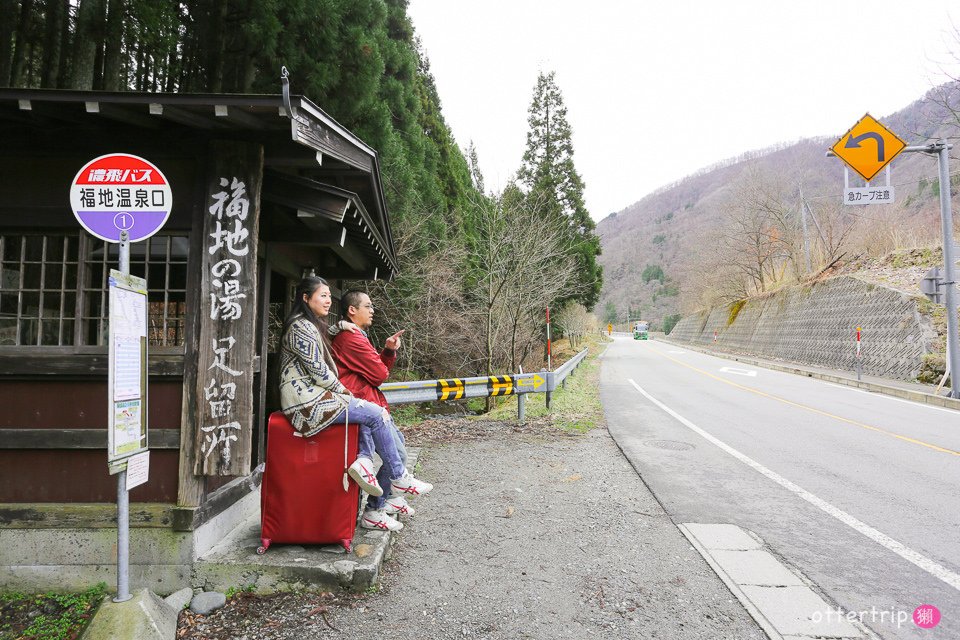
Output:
(121, 192)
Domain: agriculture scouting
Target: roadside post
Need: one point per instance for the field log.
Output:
(867, 147)
(122, 198)
(859, 364)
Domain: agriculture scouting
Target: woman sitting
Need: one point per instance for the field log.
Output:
(312, 398)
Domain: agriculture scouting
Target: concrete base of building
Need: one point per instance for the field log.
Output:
(71, 547)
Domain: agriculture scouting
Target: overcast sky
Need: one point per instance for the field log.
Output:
(656, 90)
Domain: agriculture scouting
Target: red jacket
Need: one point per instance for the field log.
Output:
(361, 367)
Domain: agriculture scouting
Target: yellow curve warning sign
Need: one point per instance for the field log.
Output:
(868, 147)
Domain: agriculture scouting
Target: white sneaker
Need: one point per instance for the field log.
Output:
(408, 486)
(363, 472)
(397, 506)
(379, 520)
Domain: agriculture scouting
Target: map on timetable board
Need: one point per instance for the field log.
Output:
(127, 369)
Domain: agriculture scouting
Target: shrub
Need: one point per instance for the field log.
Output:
(653, 272)
(670, 322)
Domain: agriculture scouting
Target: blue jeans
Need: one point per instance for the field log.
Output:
(383, 475)
(377, 432)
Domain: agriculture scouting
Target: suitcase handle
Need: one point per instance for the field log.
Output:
(346, 433)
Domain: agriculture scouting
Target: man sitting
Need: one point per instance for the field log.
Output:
(362, 370)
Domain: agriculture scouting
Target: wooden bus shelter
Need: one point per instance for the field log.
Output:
(265, 190)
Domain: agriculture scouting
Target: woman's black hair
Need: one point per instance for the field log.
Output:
(301, 309)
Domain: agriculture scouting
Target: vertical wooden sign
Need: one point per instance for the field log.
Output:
(228, 308)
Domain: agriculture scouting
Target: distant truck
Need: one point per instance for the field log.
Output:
(641, 330)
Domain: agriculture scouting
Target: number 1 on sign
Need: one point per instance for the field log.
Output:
(123, 221)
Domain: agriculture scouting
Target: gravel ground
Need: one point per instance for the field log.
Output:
(529, 533)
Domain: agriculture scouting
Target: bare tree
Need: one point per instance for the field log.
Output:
(575, 321)
(522, 262)
(427, 300)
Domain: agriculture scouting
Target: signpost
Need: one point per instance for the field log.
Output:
(885, 194)
(123, 198)
(120, 192)
(867, 148)
(859, 362)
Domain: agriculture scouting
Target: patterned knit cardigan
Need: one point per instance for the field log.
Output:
(311, 396)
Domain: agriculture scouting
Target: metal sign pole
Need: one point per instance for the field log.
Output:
(950, 285)
(942, 151)
(123, 496)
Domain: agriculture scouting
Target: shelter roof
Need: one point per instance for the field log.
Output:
(336, 176)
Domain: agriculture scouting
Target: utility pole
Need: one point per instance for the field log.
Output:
(806, 236)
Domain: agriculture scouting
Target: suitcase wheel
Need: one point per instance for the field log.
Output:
(265, 544)
(346, 544)
(261, 550)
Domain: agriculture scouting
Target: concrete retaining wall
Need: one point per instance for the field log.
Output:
(816, 324)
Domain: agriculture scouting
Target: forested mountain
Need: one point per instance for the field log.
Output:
(734, 229)
(466, 257)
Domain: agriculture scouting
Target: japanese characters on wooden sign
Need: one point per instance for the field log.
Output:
(228, 306)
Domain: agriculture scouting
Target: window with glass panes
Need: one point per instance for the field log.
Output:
(38, 289)
(54, 290)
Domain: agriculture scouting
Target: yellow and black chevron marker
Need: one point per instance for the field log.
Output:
(500, 386)
(450, 389)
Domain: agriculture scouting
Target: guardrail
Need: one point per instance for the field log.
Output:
(518, 384)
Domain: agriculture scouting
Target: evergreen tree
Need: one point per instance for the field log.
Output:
(359, 60)
(551, 179)
(473, 163)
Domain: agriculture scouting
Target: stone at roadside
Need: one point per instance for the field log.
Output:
(179, 599)
(333, 548)
(207, 602)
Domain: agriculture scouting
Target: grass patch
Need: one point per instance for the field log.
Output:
(735, 308)
(574, 408)
(232, 591)
(51, 615)
(406, 414)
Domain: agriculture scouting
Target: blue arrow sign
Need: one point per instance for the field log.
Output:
(854, 143)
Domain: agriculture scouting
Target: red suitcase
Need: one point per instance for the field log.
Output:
(306, 496)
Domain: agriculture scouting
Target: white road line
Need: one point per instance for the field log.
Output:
(676, 351)
(740, 372)
(881, 395)
(936, 570)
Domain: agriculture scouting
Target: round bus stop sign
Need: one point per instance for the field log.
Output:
(121, 192)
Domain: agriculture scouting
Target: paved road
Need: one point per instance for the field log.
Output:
(858, 492)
